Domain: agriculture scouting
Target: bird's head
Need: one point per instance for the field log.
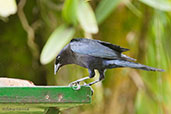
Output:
(63, 58)
(58, 63)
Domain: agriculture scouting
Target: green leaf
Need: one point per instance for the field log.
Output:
(163, 5)
(86, 17)
(133, 8)
(55, 43)
(69, 11)
(105, 8)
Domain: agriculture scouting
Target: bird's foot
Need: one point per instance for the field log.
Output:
(76, 85)
(77, 82)
(87, 85)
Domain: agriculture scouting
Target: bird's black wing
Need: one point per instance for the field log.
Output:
(96, 48)
(112, 46)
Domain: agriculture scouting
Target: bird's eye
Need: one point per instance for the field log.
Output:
(58, 57)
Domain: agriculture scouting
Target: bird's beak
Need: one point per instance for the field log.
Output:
(56, 67)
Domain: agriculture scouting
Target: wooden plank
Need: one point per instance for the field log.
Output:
(40, 98)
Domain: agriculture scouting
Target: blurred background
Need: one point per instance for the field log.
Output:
(32, 33)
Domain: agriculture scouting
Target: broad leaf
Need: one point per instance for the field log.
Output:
(105, 8)
(163, 5)
(55, 43)
(86, 17)
(133, 8)
(69, 11)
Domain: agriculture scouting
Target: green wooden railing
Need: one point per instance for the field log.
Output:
(42, 99)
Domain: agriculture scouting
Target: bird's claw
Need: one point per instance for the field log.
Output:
(86, 85)
(75, 85)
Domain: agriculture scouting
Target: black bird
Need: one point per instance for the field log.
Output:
(96, 54)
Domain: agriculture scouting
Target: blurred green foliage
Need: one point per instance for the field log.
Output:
(41, 28)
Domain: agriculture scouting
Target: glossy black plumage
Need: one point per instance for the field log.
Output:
(95, 54)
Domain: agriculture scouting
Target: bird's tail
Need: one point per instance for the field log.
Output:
(125, 63)
(125, 57)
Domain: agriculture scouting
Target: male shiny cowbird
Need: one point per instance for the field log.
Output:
(95, 54)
